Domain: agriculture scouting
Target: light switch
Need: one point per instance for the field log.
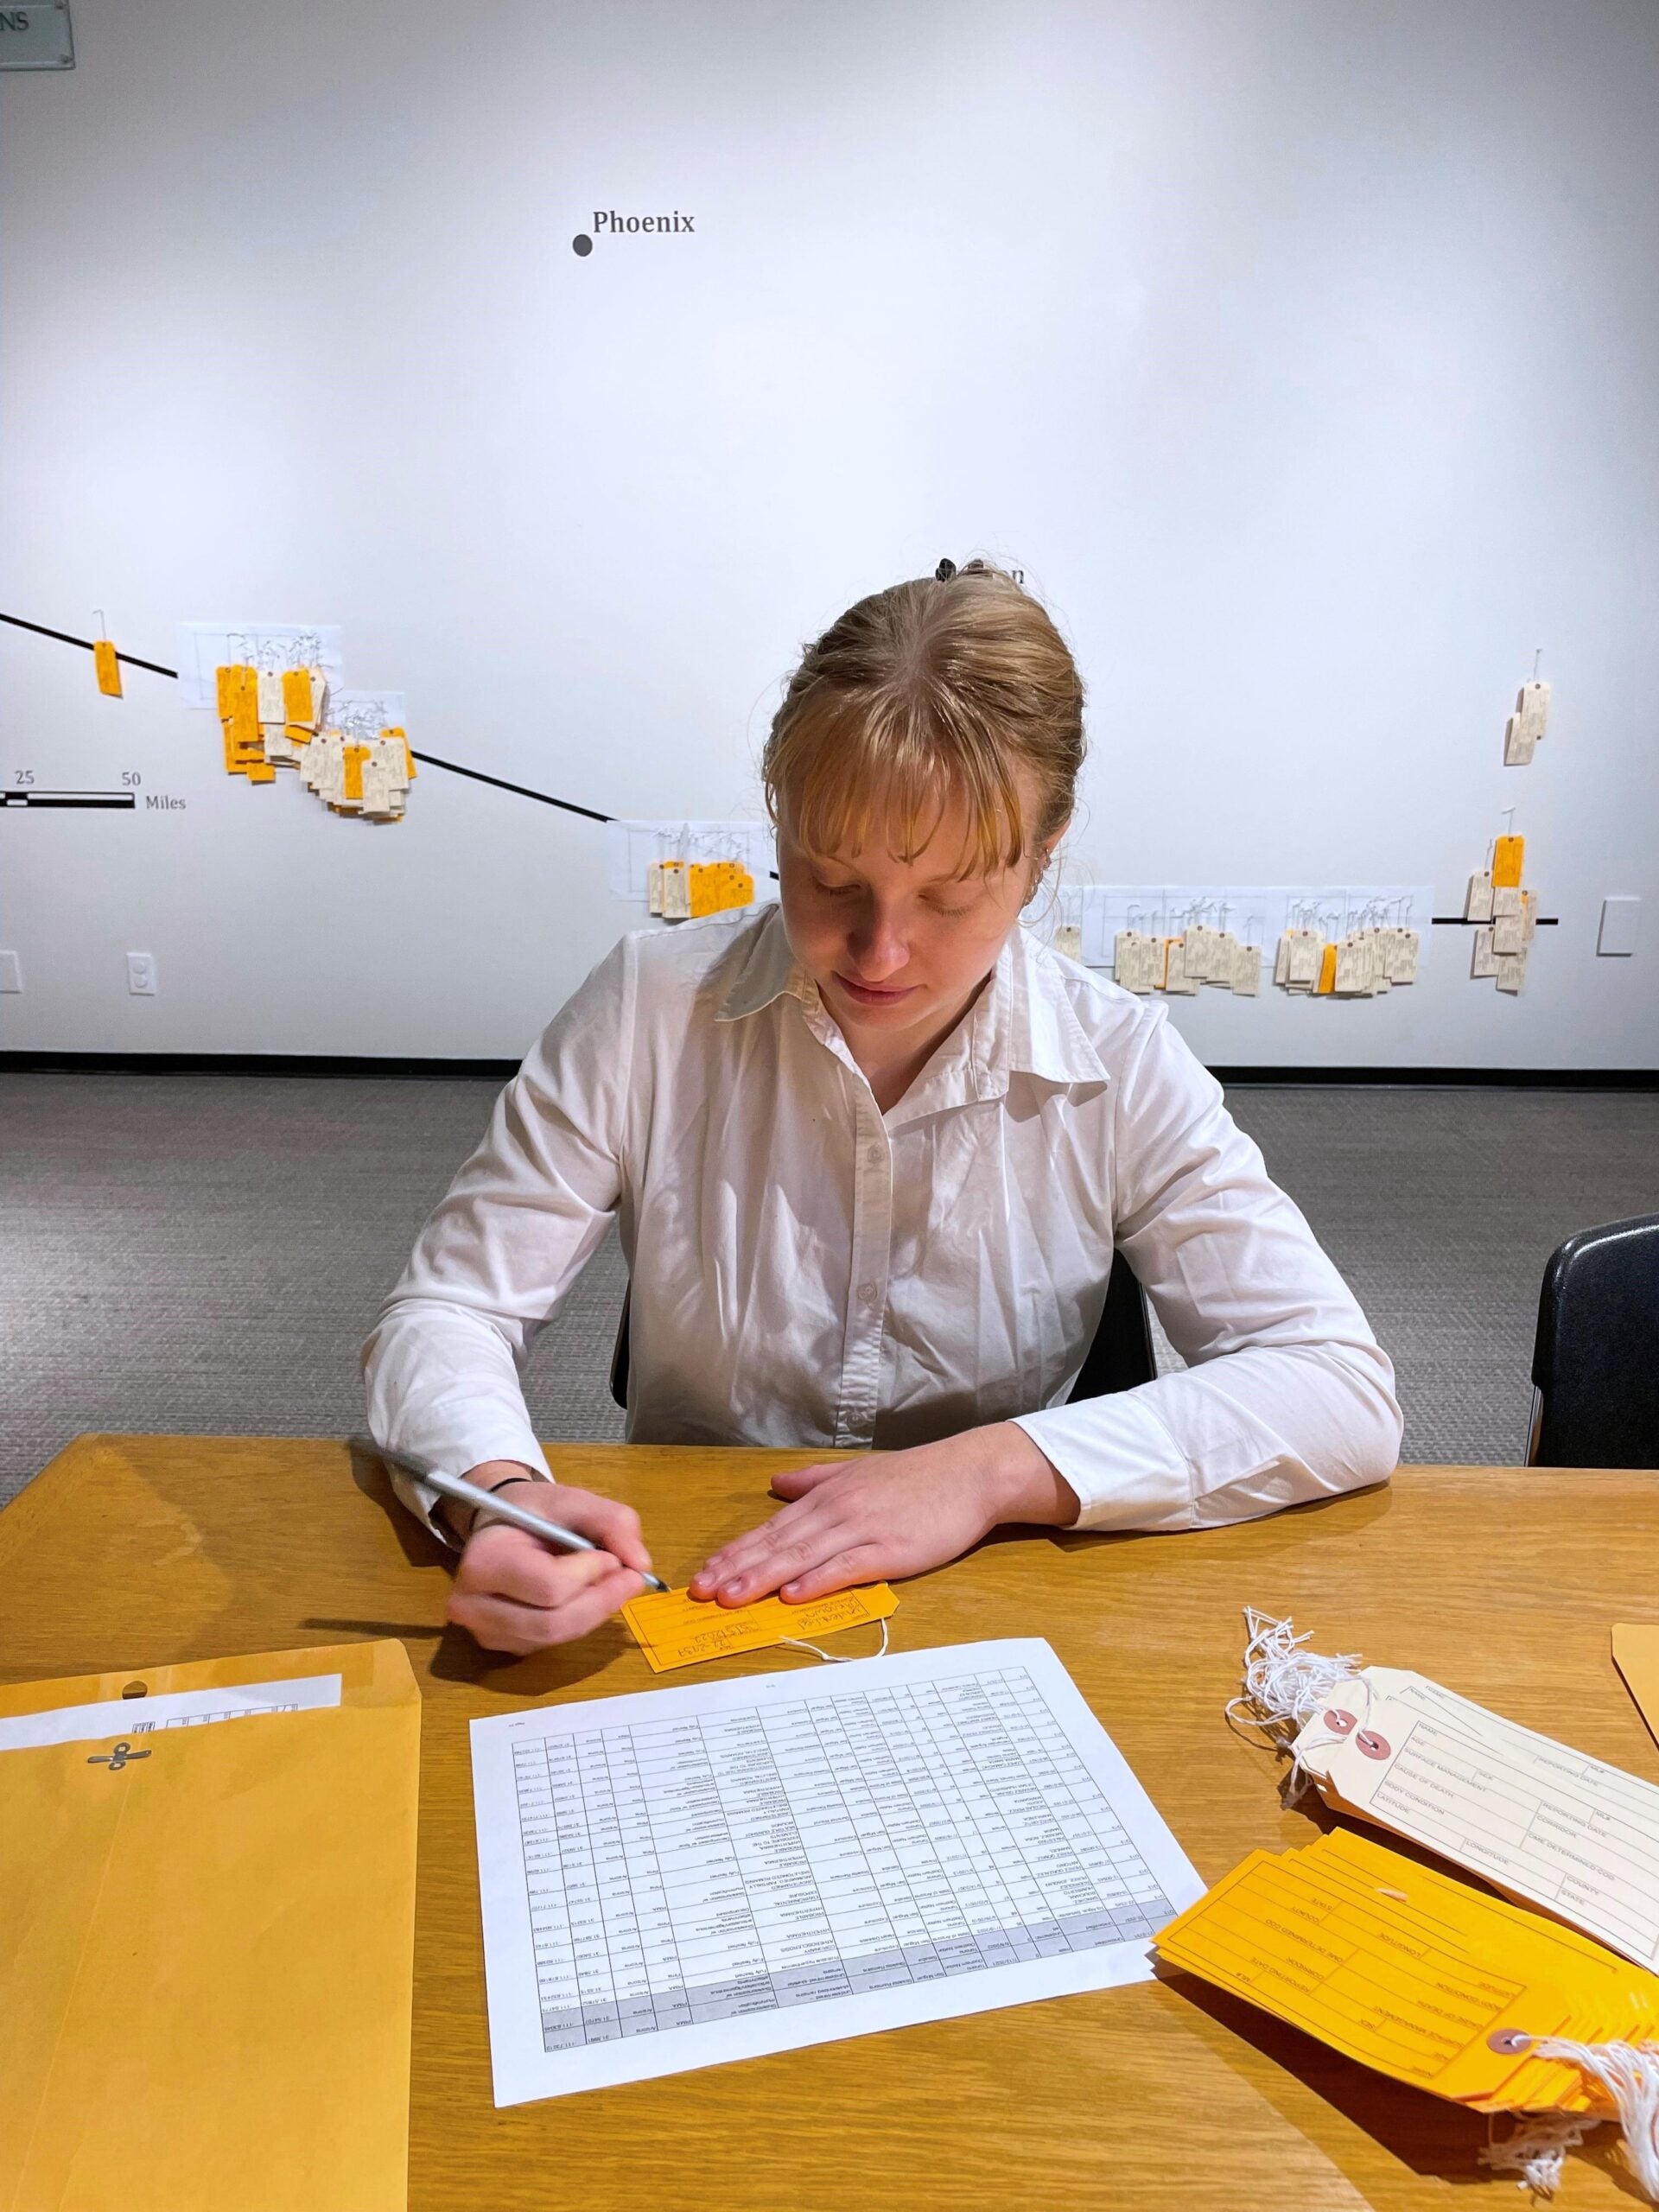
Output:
(1621, 919)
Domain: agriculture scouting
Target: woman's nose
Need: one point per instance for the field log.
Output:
(878, 948)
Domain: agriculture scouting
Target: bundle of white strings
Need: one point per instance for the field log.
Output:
(1285, 1686)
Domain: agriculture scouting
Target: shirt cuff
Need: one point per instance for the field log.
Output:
(1127, 1468)
(446, 1453)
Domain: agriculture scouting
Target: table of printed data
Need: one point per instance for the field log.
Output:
(705, 1866)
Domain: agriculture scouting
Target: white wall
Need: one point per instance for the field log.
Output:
(1303, 355)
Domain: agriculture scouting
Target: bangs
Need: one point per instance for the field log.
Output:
(858, 768)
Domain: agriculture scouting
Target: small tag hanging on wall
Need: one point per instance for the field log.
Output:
(105, 660)
(1529, 722)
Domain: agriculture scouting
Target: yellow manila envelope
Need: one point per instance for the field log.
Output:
(1636, 1654)
(674, 1630)
(206, 1928)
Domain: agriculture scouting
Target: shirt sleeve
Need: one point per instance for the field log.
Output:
(443, 1363)
(1286, 1395)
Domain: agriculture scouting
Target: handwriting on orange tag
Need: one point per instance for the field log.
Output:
(674, 1630)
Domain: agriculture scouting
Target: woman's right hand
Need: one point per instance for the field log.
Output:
(514, 1594)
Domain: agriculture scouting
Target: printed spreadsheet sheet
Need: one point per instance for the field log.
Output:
(686, 1876)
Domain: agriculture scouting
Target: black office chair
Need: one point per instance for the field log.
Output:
(1595, 1360)
(1119, 1357)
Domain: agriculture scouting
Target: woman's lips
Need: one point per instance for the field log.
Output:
(863, 994)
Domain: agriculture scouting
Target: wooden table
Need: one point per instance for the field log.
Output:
(1500, 1582)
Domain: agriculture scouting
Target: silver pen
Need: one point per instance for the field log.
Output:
(466, 1493)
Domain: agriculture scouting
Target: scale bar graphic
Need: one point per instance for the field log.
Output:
(124, 800)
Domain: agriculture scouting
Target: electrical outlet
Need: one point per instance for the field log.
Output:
(11, 972)
(141, 975)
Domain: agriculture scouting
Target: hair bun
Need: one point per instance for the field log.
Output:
(943, 573)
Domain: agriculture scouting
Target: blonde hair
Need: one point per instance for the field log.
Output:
(935, 691)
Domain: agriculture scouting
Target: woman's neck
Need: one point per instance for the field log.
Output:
(890, 1069)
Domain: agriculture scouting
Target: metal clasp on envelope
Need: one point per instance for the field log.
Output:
(117, 1758)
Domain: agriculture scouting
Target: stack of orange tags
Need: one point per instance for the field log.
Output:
(674, 1629)
(1415, 1975)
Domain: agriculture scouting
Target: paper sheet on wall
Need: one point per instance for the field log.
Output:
(362, 714)
(1254, 913)
(681, 1877)
(205, 647)
(631, 846)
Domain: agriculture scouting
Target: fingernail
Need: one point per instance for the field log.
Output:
(732, 1589)
(790, 1589)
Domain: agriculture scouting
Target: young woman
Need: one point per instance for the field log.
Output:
(870, 1151)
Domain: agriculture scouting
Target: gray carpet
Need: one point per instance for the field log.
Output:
(205, 1254)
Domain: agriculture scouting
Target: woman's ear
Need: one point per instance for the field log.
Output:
(1044, 860)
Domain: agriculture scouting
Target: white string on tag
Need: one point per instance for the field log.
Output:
(1630, 2075)
(833, 1658)
(1535, 2148)
(1285, 1686)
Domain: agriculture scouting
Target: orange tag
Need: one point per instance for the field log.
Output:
(674, 1630)
(715, 887)
(109, 669)
(245, 749)
(352, 782)
(1507, 856)
(297, 705)
(1327, 970)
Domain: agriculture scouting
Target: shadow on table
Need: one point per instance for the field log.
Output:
(1283, 1531)
(1430, 2135)
(457, 1657)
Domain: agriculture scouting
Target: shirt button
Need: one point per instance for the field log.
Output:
(866, 1292)
(875, 1155)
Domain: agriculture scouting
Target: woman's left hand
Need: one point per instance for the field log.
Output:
(853, 1521)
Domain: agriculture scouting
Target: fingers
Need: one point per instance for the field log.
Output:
(792, 1543)
(603, 1519)
(504, 1562)
(614, 1527)
(842, 1570)
(505, 1624)
(795, 1482)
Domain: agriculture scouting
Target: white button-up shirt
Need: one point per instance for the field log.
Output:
(808, 1271)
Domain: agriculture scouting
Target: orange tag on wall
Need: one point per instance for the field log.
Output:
(239, 697)
(297, 703)
(351, 781)
(108, 667)
(1507, 856)
(1327, 970)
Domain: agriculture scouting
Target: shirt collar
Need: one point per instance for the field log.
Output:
(767, 970)
(1023, 1021)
